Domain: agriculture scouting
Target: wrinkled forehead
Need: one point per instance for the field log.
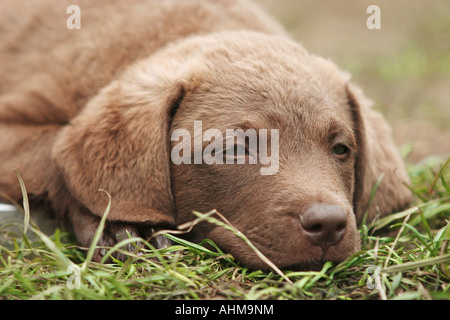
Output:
(288, 107)
(270, 88)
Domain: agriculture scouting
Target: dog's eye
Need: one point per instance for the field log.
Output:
(237, 150)
(241, 154)
(340, 150)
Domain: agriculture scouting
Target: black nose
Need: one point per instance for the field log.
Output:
(324, 224)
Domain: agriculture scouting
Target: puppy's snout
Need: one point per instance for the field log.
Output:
(324, 224)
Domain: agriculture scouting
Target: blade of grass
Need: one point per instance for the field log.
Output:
(425, 224)
(418, 264)
(423, 240)
(48, 242)
(26, 205)
(391, 248)
(53, 247)
(372, 196)
(439, 174)
(444, 248)
(98, 232)
(380, 224)
(445, 183)
(199, 249)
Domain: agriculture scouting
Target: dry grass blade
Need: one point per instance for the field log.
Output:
(26, 206)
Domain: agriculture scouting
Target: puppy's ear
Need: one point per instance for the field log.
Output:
(377, 157)
(120, 143)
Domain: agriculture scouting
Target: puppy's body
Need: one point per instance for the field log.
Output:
(94, 108)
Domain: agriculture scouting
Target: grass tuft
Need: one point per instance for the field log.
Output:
(403, 256)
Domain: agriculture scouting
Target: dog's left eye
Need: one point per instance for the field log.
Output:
(237, 150)
(340, 150)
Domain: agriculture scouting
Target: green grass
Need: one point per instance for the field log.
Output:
(404, 256)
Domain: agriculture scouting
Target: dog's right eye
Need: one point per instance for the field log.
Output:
(240, 153)
(341, 151)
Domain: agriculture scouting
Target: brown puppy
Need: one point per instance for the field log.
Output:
(99, 107)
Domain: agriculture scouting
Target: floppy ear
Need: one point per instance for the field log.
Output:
(27, 148)
(120, 143)
(377, 156)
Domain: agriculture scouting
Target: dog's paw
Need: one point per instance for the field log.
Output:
(116, 232)
(113, 233)
(86, 225)
(161, 242)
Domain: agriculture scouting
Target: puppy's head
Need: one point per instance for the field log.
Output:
(164, 141)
